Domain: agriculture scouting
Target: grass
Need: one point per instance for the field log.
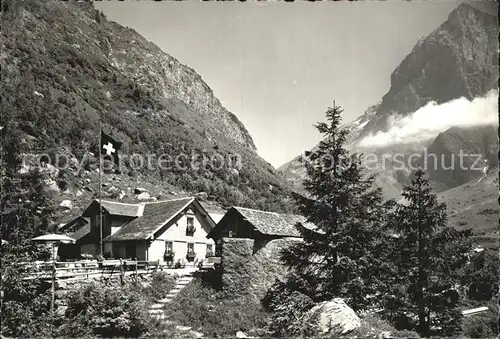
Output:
(373, 327)
(161, 284)
(207, 311)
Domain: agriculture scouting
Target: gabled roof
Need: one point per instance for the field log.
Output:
(117, 208)
(271, 223)
(213, 208)
(70, 224)
(155, 215)
(81, 232)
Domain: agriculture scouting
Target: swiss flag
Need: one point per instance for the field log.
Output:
(110, 147)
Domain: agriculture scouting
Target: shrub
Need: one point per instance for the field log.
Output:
(26, 303)
(287, 308)
(93, 309)
(482, 325)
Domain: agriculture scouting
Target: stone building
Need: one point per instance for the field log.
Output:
(248, 246)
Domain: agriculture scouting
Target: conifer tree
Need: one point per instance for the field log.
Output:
(26, 207)
(428, 256)
(337, 258)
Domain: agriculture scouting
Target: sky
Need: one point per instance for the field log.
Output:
(278, 66)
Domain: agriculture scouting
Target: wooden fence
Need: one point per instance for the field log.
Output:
(82, 270)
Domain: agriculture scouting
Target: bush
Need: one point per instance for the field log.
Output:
(287, 308)
(482, 325)
(26, 303)
(96, 310)
(206, 310)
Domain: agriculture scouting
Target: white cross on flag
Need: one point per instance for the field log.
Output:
(110, 147)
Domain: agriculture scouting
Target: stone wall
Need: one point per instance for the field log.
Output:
(251, 267)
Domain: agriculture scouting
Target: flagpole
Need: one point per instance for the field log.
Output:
(100, 202)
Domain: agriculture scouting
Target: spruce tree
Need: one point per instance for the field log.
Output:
(428, 257)
(26, 206)
(337, 256)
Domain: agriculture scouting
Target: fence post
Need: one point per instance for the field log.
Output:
(158, 265)
(53, 296)
(136, 263)
(121, 271)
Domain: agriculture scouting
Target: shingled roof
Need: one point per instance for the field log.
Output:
(154, 216)
(118, 208)
(272, 223)
(81, 232)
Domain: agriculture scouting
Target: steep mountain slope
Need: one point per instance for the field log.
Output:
(64, 66)
(475, 205)
(479, 149)
(106, 48)
(458, 59)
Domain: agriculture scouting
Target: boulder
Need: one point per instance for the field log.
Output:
(113, 189)
(333, 317)
(24, 169)
(52, 185)
(202, 196)
(385, 335)
(144, 196)
(234, 172)
(139, 190)
(66, 204)
(49, 170)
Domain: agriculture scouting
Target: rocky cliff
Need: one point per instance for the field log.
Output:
(458, 59)
(166, 78)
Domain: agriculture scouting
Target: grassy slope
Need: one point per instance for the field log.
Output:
(475, 205)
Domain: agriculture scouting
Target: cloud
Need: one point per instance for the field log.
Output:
(430, 120)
